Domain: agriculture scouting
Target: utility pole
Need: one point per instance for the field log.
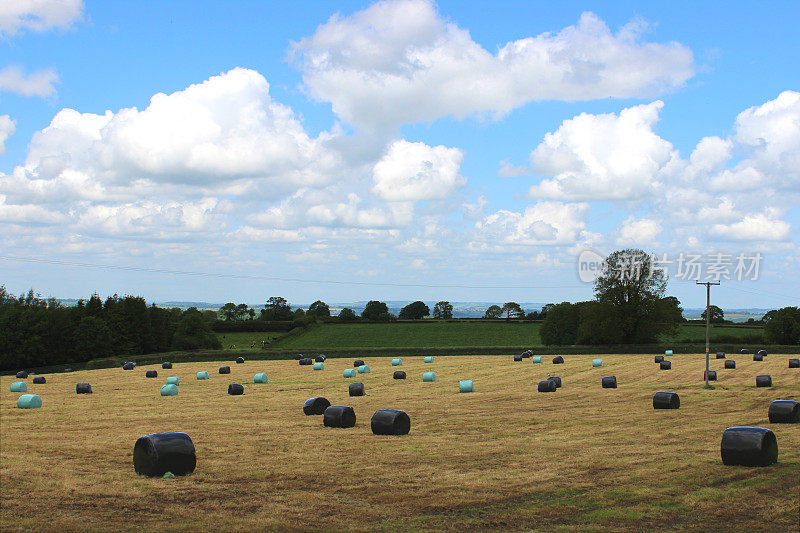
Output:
(708, 285)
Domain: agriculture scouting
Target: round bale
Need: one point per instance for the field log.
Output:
(235, 389)
(399, 374)
(39, 380)
(19, 386)
(349, 373)
(666, 400)
(83, 388)
(518, 358)
(158, 453)
(128, 366)
(224, 370)
(170, 389)
(320, 358)
(239, 360)
(390, 422)
(720, 355)
(665, 365)
(355, 389)
(316, 406)
(22, 375)
(306, 361)
(299, 356)
(319, 366)
(749, 446)
(762, 353)
(711, 375)
(609, 382)
(358, 362)
(536, 359)
(397, 362)
(260, 378)
(730, 363)
(166, 365)
(203, 374)
(29, 401)
(465, 385)
(151, 374)
(668, 353)
(794, 363)
(557, 381)
(758, 357)
(429, 359)
(339, 416)
(558, 360)
(764, 380)
(363, 369)
(744, 351)
(784, 412)
(547, 385)
(658, 358)
(173, 380)
(597, 363)
(428, 376)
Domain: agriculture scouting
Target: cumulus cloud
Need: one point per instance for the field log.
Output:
(38, 83)
(544, 223)
(758, 227)
(7, 128)
(641, 231)
(416, 171)
(37, 15)
(400, 62)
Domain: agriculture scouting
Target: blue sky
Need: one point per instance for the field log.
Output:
(457, 145)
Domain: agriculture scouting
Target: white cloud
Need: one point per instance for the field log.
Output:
(37, 15)
(635, 231)
(38, 83)
(758, 227)
(507, 170)
(544, 223)
(399, 62)
(7, 129)
(416, 171)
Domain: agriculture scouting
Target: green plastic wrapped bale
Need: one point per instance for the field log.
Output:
(260, 378)
(29, 401)
(536, 359)
(319, 366)
(170, 389)
(429, 359)
(668, 353)
(397, 362)
(19, 386)
(349, 373)
(363, 369)
(173, 380)
(465, 385)
(597, 362)
(203, 374)
(428, 376)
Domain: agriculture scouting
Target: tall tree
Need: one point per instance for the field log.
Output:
(512, 309)
(319, 310)
(560, 326)
(783, 327)
(717, 314)
(415, 311)
(347, 315)
(374, 309)
(277, 308)
(194, 333)
(493, 311)
(228, 311)
(443, 310)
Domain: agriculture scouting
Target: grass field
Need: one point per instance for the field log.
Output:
(502, 458)
(243, 340)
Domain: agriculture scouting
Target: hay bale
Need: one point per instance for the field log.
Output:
(239, 360)
(658, 358)
(39, 380)
(235, 389)
(390, 422)
(339, 416)
(19, 386)
(428, 377)
(170, 389)
(557, 381)
(597, 363)
(203, 374)
(319, 366)
(29, 401)
(794, 363)
(720, 355)
(128, 366)
(363, 369)
(173, 380)
(666, 400)
(260, 378)
(316, 406)
(536, 359)
(665, 365)
(465, 385)
(349, 373)
(397, 362)
(609, 382)
(158, 453)
(399, 374)
(762, 353)
(784, 412)
(224, 370)
(151, 374)
(518, 358)
(166, 365)
(67, 370)
(558, 360)
(429, 359)
(22, 375)
(355, 389)
(748, 446)
(758, 357)
(730, 363)
(547, 385)
(306, 361)
(83, 388)
(710, 374)
(668, 353)
(744, 351)
(358, 362)
(299, 356)
(764, 380)
(320, 358)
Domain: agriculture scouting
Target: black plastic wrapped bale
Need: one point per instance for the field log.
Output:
(749, 446)
(557, 381)
(83, 388)
(166, 365)
(547, 385)
(518, 358)
(356, 389)
(666, 400)
(609, 382)
(127, 366)
(710, 374)
(321, 358)
(658, 358)
(22, 375)
(558, 360)
(158, 453)
(745, 350)
(720, 355)
(235, 389)
(306, 361)
(390, 422)
(151, 374)
(316, 406)
(339, 416)
(762, 353)
(784, 412)
(399, 374)
(730, 363)
(239, 360)
(665, 365)
(758, 357)
(299, 356)
(39, 380)
(764, 380)
(794, 363)
(358, 362)
(67, 370)
(224, 370)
